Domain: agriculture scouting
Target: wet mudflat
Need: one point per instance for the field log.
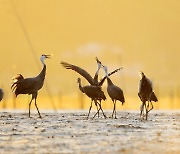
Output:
(71, 132)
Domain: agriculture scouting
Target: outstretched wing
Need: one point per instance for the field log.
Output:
(79, 70)
(111, 73)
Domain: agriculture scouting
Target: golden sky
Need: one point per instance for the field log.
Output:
(141, 35)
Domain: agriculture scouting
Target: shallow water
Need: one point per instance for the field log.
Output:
(71, 132)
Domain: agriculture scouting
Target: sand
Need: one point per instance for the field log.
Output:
(71, 132)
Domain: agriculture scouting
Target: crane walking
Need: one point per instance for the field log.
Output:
(30, 86)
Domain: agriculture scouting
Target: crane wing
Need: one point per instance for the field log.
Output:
(145, 85)
(111, 73)
(94, 92)
(153, 97)
(25, 86)
(96, 79)
(79, 70)
(15, 80)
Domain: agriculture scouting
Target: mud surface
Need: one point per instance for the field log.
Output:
(71, 132)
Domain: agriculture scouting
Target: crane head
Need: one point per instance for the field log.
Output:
(141, 74)
(78, 80)
(99, 63)
(105, 69)
(45, 56)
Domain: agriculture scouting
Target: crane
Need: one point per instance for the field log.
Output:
(30, 86)
(145, 94)
(114, 92)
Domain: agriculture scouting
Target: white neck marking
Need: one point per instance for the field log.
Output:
(106, 71)
(99, 66)
(42, 59)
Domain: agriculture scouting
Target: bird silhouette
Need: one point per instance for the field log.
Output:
(145, 94)
(88, 77)
(93, 92)
(30, 86)
(115, 93)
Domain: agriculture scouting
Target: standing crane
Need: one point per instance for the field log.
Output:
(146, 93)
(87, 76)
(115, 93)
(1, 94)
(93, 92)
(30, 86)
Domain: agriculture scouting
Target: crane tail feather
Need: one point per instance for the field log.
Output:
(15, 81)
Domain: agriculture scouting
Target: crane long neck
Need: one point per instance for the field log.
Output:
(108, 79)
(106, 73)
(42, 74)
(97, 72)
(96, 75)
(80, 87)
(42, 60)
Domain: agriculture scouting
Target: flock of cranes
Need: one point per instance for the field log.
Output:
(31, 86)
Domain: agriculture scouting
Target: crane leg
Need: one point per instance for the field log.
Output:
(100, 108)
(35, 97)
(30, 106)
(97, 108)
(96, 113)
(147, 110)
(142, 109)
(148, 106)
(150, 102)
(89, 109)
(115, 108)
(151, 107)
(37, 109)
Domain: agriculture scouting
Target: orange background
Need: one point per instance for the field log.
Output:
(140, 35)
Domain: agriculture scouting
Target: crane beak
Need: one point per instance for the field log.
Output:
(48, 56)
(98, 61)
